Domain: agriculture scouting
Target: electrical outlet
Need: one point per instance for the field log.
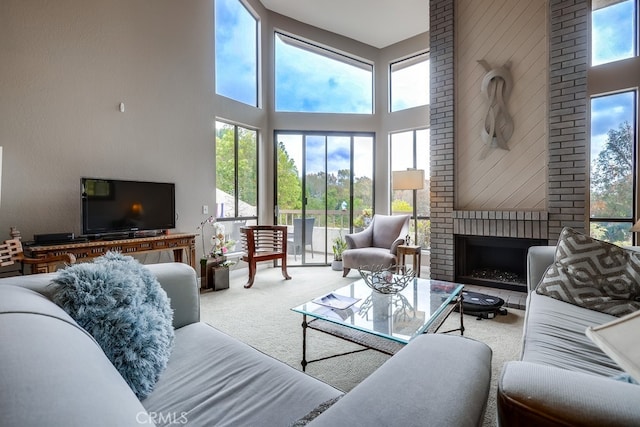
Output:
(205, 209)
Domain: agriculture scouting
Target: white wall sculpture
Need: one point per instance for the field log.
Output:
(498, 125)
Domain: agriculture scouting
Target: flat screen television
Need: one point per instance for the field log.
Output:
(116, 207)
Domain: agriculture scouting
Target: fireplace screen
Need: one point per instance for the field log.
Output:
(497, 262)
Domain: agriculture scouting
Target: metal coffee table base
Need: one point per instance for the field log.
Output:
(368, 340)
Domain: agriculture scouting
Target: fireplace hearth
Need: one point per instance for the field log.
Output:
(494, 262)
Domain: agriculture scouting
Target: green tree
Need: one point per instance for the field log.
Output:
(247, 163)
(289, 185)
(612, 175)
(248, 166)
(225, 168)
(401, 206)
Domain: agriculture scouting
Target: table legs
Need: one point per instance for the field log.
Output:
(304, 343)
(367, 346)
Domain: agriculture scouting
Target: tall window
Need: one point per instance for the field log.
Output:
(236, 33)
(410, 150)
(236, 172)
(314, 79)
(324, 179)
(613, 31)
(409, 85)
(613, 203)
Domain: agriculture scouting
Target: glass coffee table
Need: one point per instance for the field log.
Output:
(382, 322)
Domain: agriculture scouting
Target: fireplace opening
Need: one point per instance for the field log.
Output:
(495, 262)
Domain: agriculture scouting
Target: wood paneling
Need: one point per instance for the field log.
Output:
(501, 31)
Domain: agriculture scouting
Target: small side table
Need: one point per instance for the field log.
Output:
(415, 251)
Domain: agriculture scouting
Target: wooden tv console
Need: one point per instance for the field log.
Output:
(84, 251)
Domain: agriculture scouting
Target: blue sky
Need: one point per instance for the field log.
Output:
(613, 35)
(309, 82)
(305, 81)
(410, 86)
(612, 39)
(236, 53)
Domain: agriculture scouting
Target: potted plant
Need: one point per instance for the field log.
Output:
(339, 245)
(363, 220)
(214, 267)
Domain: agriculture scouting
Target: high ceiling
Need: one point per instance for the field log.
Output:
(378, 23)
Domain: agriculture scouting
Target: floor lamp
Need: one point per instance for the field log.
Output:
(410, 179)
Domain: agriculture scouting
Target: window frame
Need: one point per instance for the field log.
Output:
(408, 61)
(324, 51)
(236, 198)
(415, 216)
(257, 58)
(607, 79)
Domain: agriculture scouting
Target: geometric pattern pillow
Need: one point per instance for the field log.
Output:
(593, 274)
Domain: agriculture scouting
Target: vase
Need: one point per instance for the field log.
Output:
(214, 275)
(336, 265)
(217, 277)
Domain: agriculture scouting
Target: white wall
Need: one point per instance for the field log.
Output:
(66, 65)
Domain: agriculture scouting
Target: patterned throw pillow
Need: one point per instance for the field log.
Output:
(593, 274)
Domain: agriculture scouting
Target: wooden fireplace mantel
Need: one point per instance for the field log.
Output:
(84, 251)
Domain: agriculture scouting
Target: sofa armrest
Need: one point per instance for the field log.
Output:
(437, 377)
(180, 283)
(541, 395)
(539, 258)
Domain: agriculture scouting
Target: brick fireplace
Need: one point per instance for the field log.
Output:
(491, 246)
(495, 262)
(565, 139)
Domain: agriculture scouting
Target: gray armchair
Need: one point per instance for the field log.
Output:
(377, 244)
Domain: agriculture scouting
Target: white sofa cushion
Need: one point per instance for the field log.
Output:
(213, 379)
(52, 372)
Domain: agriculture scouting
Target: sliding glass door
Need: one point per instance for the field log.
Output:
(322, 187)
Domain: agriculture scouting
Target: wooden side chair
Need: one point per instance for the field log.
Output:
(264, 243)
(11, 252)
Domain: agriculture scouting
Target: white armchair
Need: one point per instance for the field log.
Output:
(377, 244)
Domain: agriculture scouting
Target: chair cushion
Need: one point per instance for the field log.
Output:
(369, 257)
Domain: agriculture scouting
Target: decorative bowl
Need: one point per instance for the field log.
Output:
(382, 279)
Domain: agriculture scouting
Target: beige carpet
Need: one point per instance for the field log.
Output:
(261, 317)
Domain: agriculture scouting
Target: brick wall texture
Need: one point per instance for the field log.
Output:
(442, 138)
(568, 145)
(567, 191)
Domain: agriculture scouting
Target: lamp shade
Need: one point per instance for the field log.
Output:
(636, 226)
(411, 179)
